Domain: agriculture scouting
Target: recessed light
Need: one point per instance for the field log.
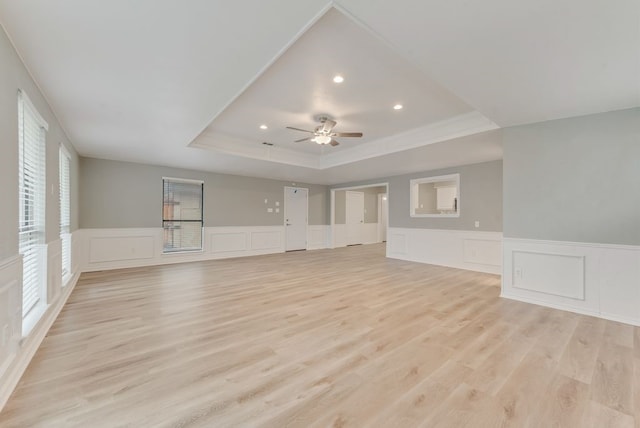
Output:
(338, 79)
(264, 127)
(397, 107)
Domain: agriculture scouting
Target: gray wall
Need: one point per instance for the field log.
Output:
(122, 194)
(574, 179)
(14, 76)
(480, 198)
(340, 206)
(370, 204)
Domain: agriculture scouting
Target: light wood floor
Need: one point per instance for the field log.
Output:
(322, 338)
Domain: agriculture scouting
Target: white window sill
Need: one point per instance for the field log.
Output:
(168, 253)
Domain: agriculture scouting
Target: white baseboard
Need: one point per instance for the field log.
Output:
(592, 279)
(21, 350)
(462, 249)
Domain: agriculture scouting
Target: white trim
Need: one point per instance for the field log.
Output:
(318, 236)
(64, 149)
(383, 229)
(604, 280)
(479, 251)
(22, 96)
(414, 191)
(448, 129)
(183, 180)
(574, 243)
(104, 249)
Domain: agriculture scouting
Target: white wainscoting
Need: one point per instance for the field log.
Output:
(17, 351)
(368, 232)
(594, 279)
(10, 310)
(339, 235)
(54, 270)
(105, 249)
(318, 237)
(462, 249)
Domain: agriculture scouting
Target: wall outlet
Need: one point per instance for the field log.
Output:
(477, 223)
(277, 210)
(277, 203)
(266, 201)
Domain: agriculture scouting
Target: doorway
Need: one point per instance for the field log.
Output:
(359, 214)
(296, 207)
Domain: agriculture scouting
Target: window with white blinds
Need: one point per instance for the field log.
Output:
(65, 212)
(31, 182)
(182, 215)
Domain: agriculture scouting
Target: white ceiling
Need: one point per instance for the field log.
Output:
(141, 80)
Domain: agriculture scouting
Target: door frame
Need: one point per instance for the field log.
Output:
(332, 212)
(382, 226)
(284, 216)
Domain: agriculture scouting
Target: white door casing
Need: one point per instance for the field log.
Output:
(383, 212)
(354, 217)
(295, 218)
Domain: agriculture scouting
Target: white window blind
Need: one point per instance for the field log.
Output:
(182, 215)
(31, 135)
(65, 212)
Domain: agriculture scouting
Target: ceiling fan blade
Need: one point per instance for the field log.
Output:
(302, 139)
(346, 134)
(334, 143)
(327, 126)
(298, 129)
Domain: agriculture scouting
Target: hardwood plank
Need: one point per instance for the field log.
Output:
(600, 416)
(341, 337)
(612, 383)
(579, 358)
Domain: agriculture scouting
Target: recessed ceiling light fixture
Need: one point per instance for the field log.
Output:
(397, 107)
(338, 79)
(264, 127)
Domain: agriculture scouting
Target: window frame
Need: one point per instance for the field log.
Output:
(201, 221)
(32, 196)
(64, 198)
(414, 189)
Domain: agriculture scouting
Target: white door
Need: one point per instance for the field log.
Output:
(295, 218)
(354, 217)
(383, 210)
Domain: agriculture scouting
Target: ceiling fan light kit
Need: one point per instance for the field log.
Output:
(323, 134)
(321, 139)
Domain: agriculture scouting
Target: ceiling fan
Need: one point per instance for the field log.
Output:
(323, 133)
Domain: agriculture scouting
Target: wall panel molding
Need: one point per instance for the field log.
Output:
(105, 249)
(594, 279)
(318, 237)
(462, 249)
